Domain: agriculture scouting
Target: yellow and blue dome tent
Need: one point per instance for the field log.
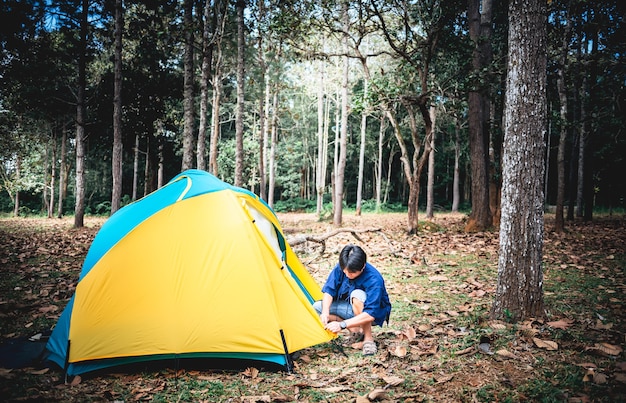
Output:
(197, 269)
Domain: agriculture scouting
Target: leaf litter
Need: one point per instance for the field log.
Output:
(440, 344)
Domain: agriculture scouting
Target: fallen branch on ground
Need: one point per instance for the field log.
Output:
(321, 239)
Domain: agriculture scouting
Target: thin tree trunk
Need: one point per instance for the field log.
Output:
(62, 172)
(262, 99)
(343, 141)
(519, 292)
(559, 222)
(146, 169)
(240, 95)
(116, 157)
(430, 186)
(135, 167)
(217, 89)
(359, 191)
(273, 144)
(188, 81)
(53, 173)
(320, 171)
(207, 54)
(582, 139)
(161, 160)
(215, 115)
(79, 192)
(456, 181)
(379, 164)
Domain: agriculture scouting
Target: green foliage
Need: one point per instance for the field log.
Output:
(295, 204)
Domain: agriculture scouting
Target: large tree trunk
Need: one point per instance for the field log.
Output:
(480, 33)
(79, 192)
(519, 292)
(116, 158)
(135, 167)
(188, 79)
(240, 95)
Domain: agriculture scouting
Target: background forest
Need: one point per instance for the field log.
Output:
(381, 104)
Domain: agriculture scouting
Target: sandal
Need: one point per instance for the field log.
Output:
(369, 348)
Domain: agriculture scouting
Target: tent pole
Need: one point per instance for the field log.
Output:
(289, 361)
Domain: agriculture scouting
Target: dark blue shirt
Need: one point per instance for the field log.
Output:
(377, 304)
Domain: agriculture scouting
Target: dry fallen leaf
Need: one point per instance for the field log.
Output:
(393, 380)
(255, 399)
(546, 344)
(378, 393)
(563, 324)
(505, 353)
(399, 351)
(605, 349)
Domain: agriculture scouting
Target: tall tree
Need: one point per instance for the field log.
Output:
(81, 98)
(241, 48)
(559, 221)
(207, 54)
(479, 18)
(116, 159)
(519, 292)
(188, 100)
(343, 139)
(414, 45)
(430, 185)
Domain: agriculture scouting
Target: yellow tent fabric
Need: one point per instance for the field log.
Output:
(207, 274)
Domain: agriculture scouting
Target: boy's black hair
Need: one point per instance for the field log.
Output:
(352, 258)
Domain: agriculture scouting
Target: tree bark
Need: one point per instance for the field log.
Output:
(207, 55)
(359, 191)
(430, 185)
(79, 193)
(379, 164)
(116, 158)
(62, 172)
(343, 141)
(273, 144)
(519, 292)
(456, 181)
(480, 33)
(188, 80)
(559, 221)
(320, 169)
(240, 95)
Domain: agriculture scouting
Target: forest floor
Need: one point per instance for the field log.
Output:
(440, 344)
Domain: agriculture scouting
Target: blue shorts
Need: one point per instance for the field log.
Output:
(343, 309)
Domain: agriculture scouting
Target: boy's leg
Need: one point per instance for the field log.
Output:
(366, 328)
